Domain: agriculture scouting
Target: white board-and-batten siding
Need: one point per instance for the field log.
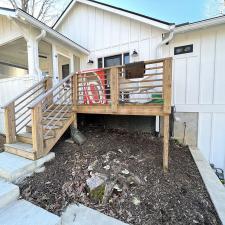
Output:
(8, 31)
(106, 34)
(199, 86)
(9, 89)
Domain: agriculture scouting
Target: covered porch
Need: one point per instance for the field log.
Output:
(30, 51)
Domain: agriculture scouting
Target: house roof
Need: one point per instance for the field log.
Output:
(18, 13)
(181, 28)
(143, 18)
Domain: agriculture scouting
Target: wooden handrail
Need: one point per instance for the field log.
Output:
(25, 92)
(44, 96)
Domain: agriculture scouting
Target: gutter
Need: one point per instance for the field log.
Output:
(200, 25)
(26, 17)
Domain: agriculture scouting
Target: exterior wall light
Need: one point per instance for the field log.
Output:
(90, 61)
(135, 53)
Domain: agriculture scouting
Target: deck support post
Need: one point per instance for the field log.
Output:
(10, 126)
(166, 143)
(167, 83)
(114, 72)
(37, 131)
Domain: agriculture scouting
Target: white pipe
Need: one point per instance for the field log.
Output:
(170, 37)
(37, 39)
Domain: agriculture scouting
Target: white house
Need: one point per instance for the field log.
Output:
(101, 35)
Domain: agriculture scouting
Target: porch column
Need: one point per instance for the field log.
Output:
(55, 65)
(33, 58)
(72, 65)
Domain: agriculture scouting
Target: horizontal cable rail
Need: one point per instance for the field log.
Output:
(17, 112)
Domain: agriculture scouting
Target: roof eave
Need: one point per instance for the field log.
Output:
(200, 25)
(55, 34)
(7, 12)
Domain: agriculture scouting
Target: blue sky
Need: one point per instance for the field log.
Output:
(178, 11)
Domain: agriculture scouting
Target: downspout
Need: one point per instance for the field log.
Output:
(37, 39)
(165, 41)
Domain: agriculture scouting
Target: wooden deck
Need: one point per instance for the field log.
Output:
(50, 110)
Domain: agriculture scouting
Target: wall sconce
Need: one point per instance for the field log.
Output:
(90, 61)
(135, 53)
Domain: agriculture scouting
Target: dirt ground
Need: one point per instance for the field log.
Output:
(178, 197)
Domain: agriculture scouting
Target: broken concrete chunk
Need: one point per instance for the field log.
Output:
(96, 187)
(70, 141)
(77, 136)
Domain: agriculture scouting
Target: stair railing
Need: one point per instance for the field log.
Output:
(17, 112)
(49, 109)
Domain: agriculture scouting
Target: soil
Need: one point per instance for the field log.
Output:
(177, 197)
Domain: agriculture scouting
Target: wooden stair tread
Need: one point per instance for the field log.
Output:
(29, 135)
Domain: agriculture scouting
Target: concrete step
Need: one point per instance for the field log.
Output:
(25, 213)
(82, 215)
(8, 193)
(14, 167)
(22, 149)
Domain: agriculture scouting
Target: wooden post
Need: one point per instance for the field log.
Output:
(167, 85)
(166, 143)
(167, 79)
(74, 91)
(114, 88)
(37, 130)
(10, 126)
(48, 86)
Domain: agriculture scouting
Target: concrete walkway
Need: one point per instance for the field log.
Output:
(213, 185)
(82, 215)
(12, 210)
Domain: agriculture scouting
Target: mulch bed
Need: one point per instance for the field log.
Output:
(2, 142)
(178, 197)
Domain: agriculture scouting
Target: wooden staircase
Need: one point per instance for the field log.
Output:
(36, 119)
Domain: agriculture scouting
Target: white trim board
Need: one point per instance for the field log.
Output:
(213, 185)
(200, 108)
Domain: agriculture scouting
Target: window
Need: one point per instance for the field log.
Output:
(183, 49)
(126, 58)
(100, 64)
(114, 60)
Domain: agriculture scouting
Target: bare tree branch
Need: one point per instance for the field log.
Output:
(44, 10)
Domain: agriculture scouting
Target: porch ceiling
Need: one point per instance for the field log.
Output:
(15, 52)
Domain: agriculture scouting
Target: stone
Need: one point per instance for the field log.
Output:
(96, 187)
(77, 136)
(70, 141)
